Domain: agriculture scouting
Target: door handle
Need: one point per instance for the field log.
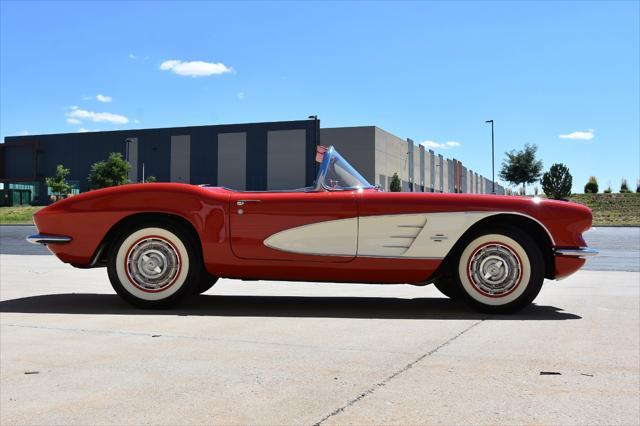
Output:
(243, 202)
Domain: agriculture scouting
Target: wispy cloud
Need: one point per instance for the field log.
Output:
(84, 115)
(195, 68)
(103, 98)
(83, 130)
(24, 133)
(582, 135)
(132, 56)
(240, 95)
(72, 120)
(438, 145)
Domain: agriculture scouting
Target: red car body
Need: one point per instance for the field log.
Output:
(235, 249)
(241, 234)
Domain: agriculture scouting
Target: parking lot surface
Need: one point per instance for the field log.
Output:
(308, 353)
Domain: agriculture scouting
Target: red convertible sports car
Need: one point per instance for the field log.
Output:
(163, 242)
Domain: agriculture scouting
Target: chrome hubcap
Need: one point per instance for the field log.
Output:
(153, 263)
(495, 269)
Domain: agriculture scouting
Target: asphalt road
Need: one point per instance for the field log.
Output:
(619, 247)
(71, 352)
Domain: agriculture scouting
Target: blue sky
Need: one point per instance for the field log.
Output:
(429, 71)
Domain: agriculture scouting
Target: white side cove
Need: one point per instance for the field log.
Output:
(424, 235)
(333, 237)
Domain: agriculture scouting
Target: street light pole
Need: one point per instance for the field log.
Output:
(315, 118)
(493, 161)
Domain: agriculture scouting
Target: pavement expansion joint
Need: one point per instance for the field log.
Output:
(395, 374)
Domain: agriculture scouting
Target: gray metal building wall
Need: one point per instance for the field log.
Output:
(423, 168)
(257, 156)
(358, 146)
(391, 157)
(181, 154)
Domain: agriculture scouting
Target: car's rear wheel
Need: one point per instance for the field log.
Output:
(448, 286)
(500, 270)
(155, 266)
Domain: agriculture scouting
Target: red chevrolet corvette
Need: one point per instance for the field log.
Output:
(164, 242)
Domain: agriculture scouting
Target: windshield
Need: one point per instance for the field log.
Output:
(337, 174)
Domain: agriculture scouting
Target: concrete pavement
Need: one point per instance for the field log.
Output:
(308, 353)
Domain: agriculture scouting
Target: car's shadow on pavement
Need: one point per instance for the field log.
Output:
(276, 306)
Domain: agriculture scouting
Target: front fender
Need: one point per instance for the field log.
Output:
(87, 218)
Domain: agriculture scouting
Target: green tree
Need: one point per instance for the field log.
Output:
(521, 167)
(592, 186)
(638, 186)
(395, 185)
(114, 171)
(58, 182)
(150, 179)
(556, 183)
(624, 187)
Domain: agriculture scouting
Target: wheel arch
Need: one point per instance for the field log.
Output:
(100, 256)
(527, 224)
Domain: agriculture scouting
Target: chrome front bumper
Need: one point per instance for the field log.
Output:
(48, 239)
(577, 252)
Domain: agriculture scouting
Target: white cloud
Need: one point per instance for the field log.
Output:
(195, 68)
(132, 56)
(136, 121)
(84, 115)
(72, 120)
(582, 135)
(240, 95)
(24, 133)
(438, 145)
(103, 98)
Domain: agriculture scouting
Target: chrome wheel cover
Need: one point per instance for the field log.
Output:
(495, 269)
(153, 264)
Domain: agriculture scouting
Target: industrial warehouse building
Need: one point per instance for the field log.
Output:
(254, 157)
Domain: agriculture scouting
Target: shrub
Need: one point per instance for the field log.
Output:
(150, 179)
(395, 185)
(58, 182)
(592, 186)
(608, 190)
(114, 171)
(624, 187)
(638, 186)
(556, 183)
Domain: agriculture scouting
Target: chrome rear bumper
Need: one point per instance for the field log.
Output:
(577, 252)
(48, 239)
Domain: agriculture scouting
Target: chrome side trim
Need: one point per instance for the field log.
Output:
(577, 252)
(48, 239)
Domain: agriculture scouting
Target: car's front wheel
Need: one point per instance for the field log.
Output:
(154, 266)
(500, 270)
(206, 282)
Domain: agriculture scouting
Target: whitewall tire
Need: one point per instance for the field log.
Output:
(154, 266)
(500, 270)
